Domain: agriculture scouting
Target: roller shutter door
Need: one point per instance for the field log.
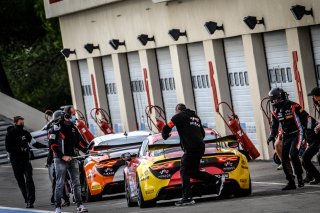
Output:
(201, 86)
(167, 83)
(278, 62)
(138, 89)
(315, 35)
(87, 94)
(239, 85)
(112, 94)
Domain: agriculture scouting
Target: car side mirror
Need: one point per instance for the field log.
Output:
(126, 156)
(233, 144)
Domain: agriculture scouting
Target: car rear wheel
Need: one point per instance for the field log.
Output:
(90, 198)
(244, 192)
(141, 202)
(130, 203)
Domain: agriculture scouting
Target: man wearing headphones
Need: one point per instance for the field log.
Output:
(64, 137)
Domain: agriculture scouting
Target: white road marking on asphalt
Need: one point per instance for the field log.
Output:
(283, 184)
(33, 168)
(23, 210)
(169, 209)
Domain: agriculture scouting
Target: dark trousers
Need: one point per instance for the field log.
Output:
(22, 170)
(290, 150)
(190, 169)
(311, 151)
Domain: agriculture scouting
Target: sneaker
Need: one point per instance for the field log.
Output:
(81, 208)
(185, 202)
(280, 167)
(65, 203)
(220, 184)
(315, 182)
(289, 186)
(300, 182)
(29, 206)
(58, 210)
(307, 180)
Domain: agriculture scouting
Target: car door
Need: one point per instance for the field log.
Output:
(132, 169)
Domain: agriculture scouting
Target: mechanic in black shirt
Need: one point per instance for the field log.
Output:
(191, 134)
(63, 139)
(292, 119)
(17, 145)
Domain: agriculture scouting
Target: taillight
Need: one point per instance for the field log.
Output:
(109, 168)
(226, 163)
(165, 170)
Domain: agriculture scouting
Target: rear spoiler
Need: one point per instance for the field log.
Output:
(167, 144)
(114, 146)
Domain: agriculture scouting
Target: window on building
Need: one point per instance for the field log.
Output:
(142, 86)
(107, 89)
(194, 82)
(161, 84)
(83, 90)
(204, 83)
(283, 75)
(114, 88)
(207, 80)
(166, 81)
(199, 81)
(241, 77)
(278, 75)
(289, 75)
(171, 83)
(318, 71)
(236, 78)
(231, 79)
(272, 75)
(246, 79)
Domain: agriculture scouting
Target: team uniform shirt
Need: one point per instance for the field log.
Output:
(64, 137)
(291, 117)
(190, 130)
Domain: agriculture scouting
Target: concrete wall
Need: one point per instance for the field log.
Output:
(10, 107)
(126, 20)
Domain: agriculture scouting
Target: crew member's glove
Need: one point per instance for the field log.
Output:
(271, 139)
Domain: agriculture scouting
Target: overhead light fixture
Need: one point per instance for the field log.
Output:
(252, 21)
(115, 43)
(143, 38)
(90, 47)
(299, 11)
(66, 52)
(175, 34)
(212, 27)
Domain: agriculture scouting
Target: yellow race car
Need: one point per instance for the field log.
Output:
(154, 173)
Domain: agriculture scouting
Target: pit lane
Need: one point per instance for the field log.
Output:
(266, 197)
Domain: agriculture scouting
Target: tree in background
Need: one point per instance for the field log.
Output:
(30, 55)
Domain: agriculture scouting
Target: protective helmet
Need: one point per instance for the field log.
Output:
(57, 116)
(277, 95)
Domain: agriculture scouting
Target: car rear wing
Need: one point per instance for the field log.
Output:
(175, 143)
(115, 146)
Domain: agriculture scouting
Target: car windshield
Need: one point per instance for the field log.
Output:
(176, 141)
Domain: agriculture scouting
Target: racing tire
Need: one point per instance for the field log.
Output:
(141, 202)
(31, 155)
(130, 203)
(244, 192)
(91, 198)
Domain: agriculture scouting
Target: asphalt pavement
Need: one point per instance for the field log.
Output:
(266, 197)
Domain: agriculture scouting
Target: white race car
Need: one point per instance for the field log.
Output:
(39, 144)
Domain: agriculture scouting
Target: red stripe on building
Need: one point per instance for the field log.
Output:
(53, 1)
(94, 92)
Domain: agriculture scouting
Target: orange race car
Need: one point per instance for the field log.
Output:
(104, 171)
